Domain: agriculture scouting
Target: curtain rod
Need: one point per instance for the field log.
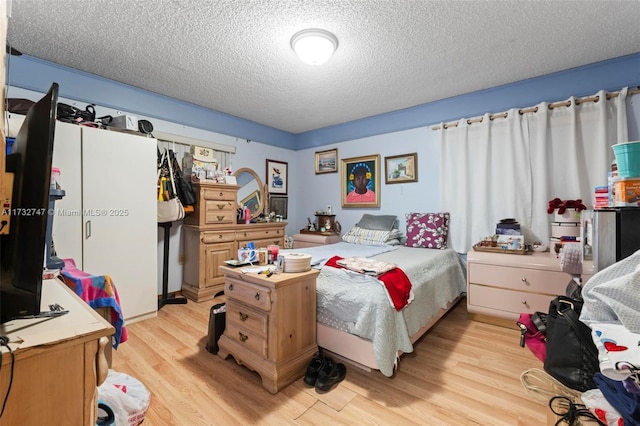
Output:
(535, 109)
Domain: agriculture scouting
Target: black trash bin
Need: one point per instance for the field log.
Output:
(217, 320)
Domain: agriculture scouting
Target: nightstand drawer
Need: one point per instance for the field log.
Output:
(259, 297)
(218, 194)
(521, 279)
(249, 339)
(248, 318)
(505, 300)
(217, 237)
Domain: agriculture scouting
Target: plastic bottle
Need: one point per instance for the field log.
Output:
(247, 215)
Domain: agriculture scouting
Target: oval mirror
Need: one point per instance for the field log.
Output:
(251, 190)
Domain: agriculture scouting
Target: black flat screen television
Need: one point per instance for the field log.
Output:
(22, 251)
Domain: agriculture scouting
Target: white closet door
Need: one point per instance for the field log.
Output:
(120, 215)
(67, 221)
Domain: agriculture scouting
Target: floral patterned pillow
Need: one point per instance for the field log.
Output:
(428, 230)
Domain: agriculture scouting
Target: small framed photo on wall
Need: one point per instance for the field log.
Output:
(278, 205)
(277, 173)
(401, 168)
(327, 161)
(360, 181)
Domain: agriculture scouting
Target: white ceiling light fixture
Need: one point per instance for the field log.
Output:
(314, 46)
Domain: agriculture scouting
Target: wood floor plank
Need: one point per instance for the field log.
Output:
(460, 373)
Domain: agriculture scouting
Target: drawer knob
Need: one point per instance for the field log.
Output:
(220, 206)
(242, 337)
(221, 194)
(220, 236)
(524, 302)
(524, 280)
(230, 287)
(257, 296)
(243, 317)
(220, 218)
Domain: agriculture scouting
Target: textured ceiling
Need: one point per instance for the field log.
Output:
(234, 56)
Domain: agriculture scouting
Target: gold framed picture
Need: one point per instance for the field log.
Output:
(401, 168)
(253, 202)
(360, 181)
(327, 161)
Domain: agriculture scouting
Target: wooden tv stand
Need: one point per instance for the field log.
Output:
(59, 363)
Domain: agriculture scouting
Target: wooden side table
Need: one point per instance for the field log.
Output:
(500, 286)
(270, 324)
(315, 238)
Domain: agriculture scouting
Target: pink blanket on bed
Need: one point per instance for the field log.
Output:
(395, 282)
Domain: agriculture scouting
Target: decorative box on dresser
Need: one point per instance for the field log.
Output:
(500, 286)
(211, 236)
(270, 324)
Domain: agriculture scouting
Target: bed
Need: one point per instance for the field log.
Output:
(357, 322)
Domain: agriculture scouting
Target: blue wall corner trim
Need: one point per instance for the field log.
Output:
(35, 74)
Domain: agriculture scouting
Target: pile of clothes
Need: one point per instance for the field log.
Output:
(612, 310)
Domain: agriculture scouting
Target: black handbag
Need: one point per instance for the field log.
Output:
(572, 356)
(183, 186)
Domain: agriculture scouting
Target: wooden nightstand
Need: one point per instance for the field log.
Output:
(501, 286)
(315, 238)
(270, 324)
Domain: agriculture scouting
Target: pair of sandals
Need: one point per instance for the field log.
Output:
(324, 373)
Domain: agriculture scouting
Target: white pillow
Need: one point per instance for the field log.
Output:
(371, 237)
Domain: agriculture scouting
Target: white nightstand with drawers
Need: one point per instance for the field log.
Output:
(501, 286)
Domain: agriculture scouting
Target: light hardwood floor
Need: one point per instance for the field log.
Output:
(461, 372)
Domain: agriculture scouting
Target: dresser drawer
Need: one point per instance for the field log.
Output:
(259, 234)
(506, 300)
(257, 296)
(212, 237)
(218, 217)
(250, 339)
(520, 279)
(245, 317)
(218, 194)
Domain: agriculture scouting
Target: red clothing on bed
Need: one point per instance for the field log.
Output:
(395, 281)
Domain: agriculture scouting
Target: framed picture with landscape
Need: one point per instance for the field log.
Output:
(361, 181)
(327, 161)
(401, 168)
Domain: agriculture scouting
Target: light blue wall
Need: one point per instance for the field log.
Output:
(392, 133)
(35, 74)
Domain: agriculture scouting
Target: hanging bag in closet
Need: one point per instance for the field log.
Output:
(169, 206)
(185, 190)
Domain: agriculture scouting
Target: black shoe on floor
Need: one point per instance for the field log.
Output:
(330, 375)
(312, 370)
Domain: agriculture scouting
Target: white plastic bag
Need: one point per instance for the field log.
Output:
(598, 405)
(126, 396)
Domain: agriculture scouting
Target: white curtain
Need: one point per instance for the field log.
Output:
(512, 167)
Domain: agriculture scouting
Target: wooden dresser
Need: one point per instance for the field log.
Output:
(501, 286)
(270, 324)
(58, 365)
(211, 236)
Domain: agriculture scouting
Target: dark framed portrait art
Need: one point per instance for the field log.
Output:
(360, 181)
